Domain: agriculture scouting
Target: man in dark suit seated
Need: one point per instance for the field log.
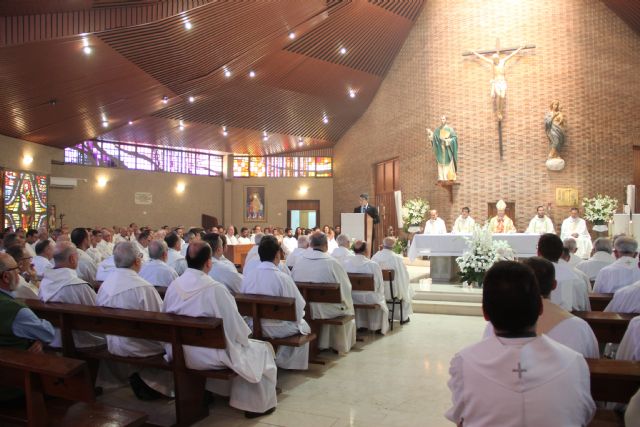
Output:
(366, 208)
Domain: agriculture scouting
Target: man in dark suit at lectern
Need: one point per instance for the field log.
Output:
(366, 208)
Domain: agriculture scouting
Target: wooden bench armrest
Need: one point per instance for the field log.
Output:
(340, 320)
(366, 306)
(40, 363)
(292, 341)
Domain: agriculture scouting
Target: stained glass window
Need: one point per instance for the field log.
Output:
(240, 166)
(323, 166)
(25, 200)
(257, 167)
(277, 167)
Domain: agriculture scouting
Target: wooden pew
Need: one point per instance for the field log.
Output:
(260, 307)
(614, 380)
(599, 301)
(608, 327)
(237, 254)
(363, 283)
(171, 328)
(41, 375)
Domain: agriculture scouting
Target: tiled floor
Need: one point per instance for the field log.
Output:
(397, 380)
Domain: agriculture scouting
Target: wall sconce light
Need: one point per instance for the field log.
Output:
(102, 181)
(303, 189)
(27, 159)
(180, 187)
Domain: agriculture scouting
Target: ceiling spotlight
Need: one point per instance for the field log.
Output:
(187, 25)
(224, 131)
(325, 120)
(105, 124)
(181, 125)
(292, 35)
(165, 99)
(352, 93)
(300, 141)
(265, 138)
(87, 50)
(130, 122)
(252, 74)
(192, 99)
(343, 51)
(227, 73)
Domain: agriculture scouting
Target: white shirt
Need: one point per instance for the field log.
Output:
(578, 226)
(158, 273)
(231, 240)
(520, 382)
(291, 243)
(539, 225)
(198, 295)
(597, 262)
(244, 240)
(389, 260)
(294, 256)
(629, 348)
(87, 268)
(105, 248)
(227, 274)
(435, 226)
(95, 254)
(105, 268)
(177, 261)
(625, 300)
(29, 249)
(124, 288)
(64, 285)
(332, 245)
(463, 225)
(253, 253)
(40, 264)
(340, 253)
(572, 292)
(622, 272)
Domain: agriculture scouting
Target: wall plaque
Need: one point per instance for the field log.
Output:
(142, 198)
(567, 197)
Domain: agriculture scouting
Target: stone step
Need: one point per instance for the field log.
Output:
(472, 297)
(447, 307)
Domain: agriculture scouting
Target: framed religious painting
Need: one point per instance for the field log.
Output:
(254, 204)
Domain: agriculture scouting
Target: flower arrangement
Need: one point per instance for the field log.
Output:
(482, 253)
(599, 209)
(414, 212)
(401, 245)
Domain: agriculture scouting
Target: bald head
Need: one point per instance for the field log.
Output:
(65, 255)
(360, 247)
(319, 241)
(388, 242)
(158, 250)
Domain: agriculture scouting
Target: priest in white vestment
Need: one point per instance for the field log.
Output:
(243, 237)
(105, 268)
(343, 250)
(303, 245)
(142, 243)
(174, 258)
(196, 294)
(623, 271)
(289, 241)
(556, 322)
(124, 288)
(222, 270)
(95, 237)
(87, 268)
(373, 320)
(625, 300)
(516, 378)
(316, 265)
(464, 224)
(253, 252)
(43, 259)
(62, 284)
(571, 292)
(105, 246)
(540, 224)
(501, 223)
(156, 271)
(601, 258)
(434, 224)
(402, 290)
(267, 279)
(629, 348)
(576, 227)
(571, 248)
(231, 236)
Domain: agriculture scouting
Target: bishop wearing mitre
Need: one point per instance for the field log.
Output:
(501, 223)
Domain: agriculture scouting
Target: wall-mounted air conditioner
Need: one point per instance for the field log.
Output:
(61, 182)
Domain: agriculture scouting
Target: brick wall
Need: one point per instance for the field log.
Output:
(585, 56)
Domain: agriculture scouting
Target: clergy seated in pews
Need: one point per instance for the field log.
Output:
(122, 236)
(373, 320)
(581, 296)
(556, 322)
(19, 326)
(290, 243)
(629, 348)
(540, 224)
(196, 294)
(601, 258)
(95, 237)
(156, 271)
(571, 292)
(571, 248)
(43, 259)
(243, 237)
(534, 380)
(142, 243)
(105, 268)
(343, 251)
(464, 224)
(43, 234)
(389, 260)
(231, 236)
(124, 288)
(267, 279)
(62, 284)
(253, 252)
(87, 268)
(29, 283)
(623, 271)
(303, 245)
(576, 227)
(625, 300)
(501, 223)
(434, 224)
(222, 270)
(174, 258)
(30, 238)
(316, 265)
(105, 246)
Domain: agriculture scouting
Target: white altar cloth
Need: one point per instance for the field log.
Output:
(523, 245)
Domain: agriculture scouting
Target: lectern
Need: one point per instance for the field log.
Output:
(358, 226)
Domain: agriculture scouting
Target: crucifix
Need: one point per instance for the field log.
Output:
(498, 82)
(519, 371)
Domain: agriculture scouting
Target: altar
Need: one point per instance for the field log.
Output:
(454, 245)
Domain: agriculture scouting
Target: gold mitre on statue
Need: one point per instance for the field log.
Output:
(501, 205)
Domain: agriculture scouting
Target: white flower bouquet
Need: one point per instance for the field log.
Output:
(599, 209)
(482, 253)
(414, 212)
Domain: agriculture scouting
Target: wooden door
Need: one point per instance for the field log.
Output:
(387, 180)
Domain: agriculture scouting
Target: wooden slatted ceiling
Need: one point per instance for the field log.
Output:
(628, 10)
(410, 9)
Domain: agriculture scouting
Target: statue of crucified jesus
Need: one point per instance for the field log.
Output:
(499, 82)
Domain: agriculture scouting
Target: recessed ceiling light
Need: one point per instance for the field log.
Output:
(130, 122)
(352, 93)
(325, 120)
(105, 124)
(252, 74)
(187, 25)
(165, 99)
(87, 50)
(227, 73)
(292, 35)
(343, 51)
(192, 99)
(181, 126)
(224, 131)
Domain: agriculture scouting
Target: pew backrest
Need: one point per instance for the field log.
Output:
(607, 327)
(260, 307)
(614, 380)
(362, 282)
(599, 301)
(320, 292)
